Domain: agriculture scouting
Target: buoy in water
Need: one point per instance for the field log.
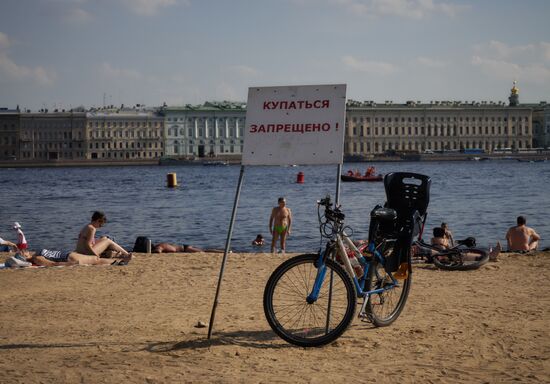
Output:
(171, 180)
(300, 178)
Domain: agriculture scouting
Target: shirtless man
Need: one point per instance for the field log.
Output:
(521, 237)
(280, 223)
(174, 248)
(87, 244)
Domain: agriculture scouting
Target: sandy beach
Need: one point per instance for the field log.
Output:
(137, 324)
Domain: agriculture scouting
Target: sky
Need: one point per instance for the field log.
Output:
(68, 53)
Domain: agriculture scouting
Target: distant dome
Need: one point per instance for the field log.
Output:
(515, 90)
(514, 95)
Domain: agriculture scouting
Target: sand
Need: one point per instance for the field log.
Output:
(137, 324)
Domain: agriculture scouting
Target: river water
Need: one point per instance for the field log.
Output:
(480, 199)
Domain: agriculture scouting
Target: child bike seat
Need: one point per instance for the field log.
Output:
(384, 214)
(407, 192)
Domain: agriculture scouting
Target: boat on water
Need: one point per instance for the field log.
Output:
(532, 160)
(214, 163)
(378, 177)
(370, 175)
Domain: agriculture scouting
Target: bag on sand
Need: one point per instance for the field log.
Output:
(140, 246)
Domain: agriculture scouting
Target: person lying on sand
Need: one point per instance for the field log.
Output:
(174, 248)
(49, 258)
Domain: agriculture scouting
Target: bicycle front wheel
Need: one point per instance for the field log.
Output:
(384, 308)
(461, 259)
(303, 323)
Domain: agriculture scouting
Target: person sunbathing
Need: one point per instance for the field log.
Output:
(87, 243)
(51, 258)
(521, 238)
(441, 242)
(184, 248)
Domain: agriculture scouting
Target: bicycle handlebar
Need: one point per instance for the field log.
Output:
(334, 215)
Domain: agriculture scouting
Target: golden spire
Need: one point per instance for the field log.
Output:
(515, 90)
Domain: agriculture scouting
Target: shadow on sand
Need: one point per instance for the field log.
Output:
(252, 339)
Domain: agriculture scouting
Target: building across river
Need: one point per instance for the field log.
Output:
(215, 130)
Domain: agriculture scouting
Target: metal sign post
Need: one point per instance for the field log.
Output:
(226, 250)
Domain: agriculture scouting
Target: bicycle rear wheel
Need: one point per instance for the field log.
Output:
(309, 324)
(384, 308)
(461, 259)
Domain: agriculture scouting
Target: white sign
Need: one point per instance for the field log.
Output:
(295, 125)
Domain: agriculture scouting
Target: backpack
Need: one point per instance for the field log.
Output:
(140, 245)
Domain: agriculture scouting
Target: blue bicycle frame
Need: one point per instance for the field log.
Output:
(359, 282)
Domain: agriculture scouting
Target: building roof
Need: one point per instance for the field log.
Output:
(435, 105)
(208, 106)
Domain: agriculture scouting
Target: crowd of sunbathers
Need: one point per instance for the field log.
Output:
(89, 249)
(520, 238)
(104, 251)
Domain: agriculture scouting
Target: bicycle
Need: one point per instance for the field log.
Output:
(464, 256)
(308, 307)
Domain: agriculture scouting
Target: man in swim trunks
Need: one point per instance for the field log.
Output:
(87, 244)
(280, 223)
(521, 238)
(174, 248)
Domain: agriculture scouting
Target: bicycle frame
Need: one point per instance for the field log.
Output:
(338, 245)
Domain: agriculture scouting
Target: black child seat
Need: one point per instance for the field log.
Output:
(401, 218)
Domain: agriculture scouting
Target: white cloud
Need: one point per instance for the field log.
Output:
(529, 62)
(409, 9)
(150, 7)
(10, 70)
(430, 63)
(373, 67)
(110, 72)
(505, 51)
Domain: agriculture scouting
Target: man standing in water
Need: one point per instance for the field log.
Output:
(521, 237)
(279, 224)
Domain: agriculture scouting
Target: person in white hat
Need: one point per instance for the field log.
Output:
(21, 240)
